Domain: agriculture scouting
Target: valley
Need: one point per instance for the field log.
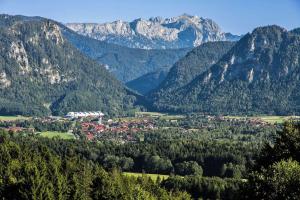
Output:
(155, 145)
(167, 108)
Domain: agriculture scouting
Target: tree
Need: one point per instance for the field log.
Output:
(188, 168)
(286, 145)
(157, 164)
(276, 174)
(279, 181)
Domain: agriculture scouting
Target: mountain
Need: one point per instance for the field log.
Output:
(259, 75)
(232, 37)
(147, 82)
(184, 31)
(295, 31)
(42, 73)
(123, 62)
(194, 63)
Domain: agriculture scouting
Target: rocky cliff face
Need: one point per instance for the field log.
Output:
(156, 33)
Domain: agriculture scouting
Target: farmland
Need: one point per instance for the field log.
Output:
(13, 118)
(52, 134)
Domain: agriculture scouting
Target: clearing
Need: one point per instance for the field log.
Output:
(62, 135)
(13, 118)
(270, 119)
(152, 176)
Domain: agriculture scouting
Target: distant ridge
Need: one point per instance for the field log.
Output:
(184, 31)
(123, 62)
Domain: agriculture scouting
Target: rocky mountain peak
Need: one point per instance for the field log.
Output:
(156, 19)
(184, 31)
(52, 32)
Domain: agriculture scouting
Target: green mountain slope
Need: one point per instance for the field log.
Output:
(259, 75)
(148, 82)
(125, 63)
(193, 64)
(42, 73)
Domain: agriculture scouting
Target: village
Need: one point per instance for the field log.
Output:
(95, 126)
(80, 124)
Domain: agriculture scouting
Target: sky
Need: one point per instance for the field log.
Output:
(235, 16)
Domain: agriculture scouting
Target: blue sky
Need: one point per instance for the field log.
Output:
(236, 16)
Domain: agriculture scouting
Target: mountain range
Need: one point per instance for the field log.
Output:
(184, 31)
(42, 73)
(125, 63)
(259, 74)
(46, 68)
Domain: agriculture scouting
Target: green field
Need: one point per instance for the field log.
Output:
(139, 115)
(152, 176)
(150, 113)
(165, 116)
(269, 119)
(12, 118)
(52, 134)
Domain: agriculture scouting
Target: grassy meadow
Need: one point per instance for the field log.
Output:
(270, 119)
(52, 134)
(13, 118)
(154, 177)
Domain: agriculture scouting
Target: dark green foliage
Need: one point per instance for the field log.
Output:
(147, 82)
(198, 127)
(39, 125)
(193, 64)
(188, 168)
(281, 180)
(156, 164)
(205, 188)
(41, 73)
(221, 149)
(286, 146)
(186, 69)
(30, 170)
(161, 157)
(125, 63)
(259, 75)
(276, 174)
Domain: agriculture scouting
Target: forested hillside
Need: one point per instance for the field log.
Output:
(125, 63)
(260, 74)
(193, 64)
(42, 73)
(148, 82)
(31, 170)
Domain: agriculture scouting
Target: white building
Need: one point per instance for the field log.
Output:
(84, 114)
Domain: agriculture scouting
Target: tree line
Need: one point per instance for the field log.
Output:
(30, 170)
